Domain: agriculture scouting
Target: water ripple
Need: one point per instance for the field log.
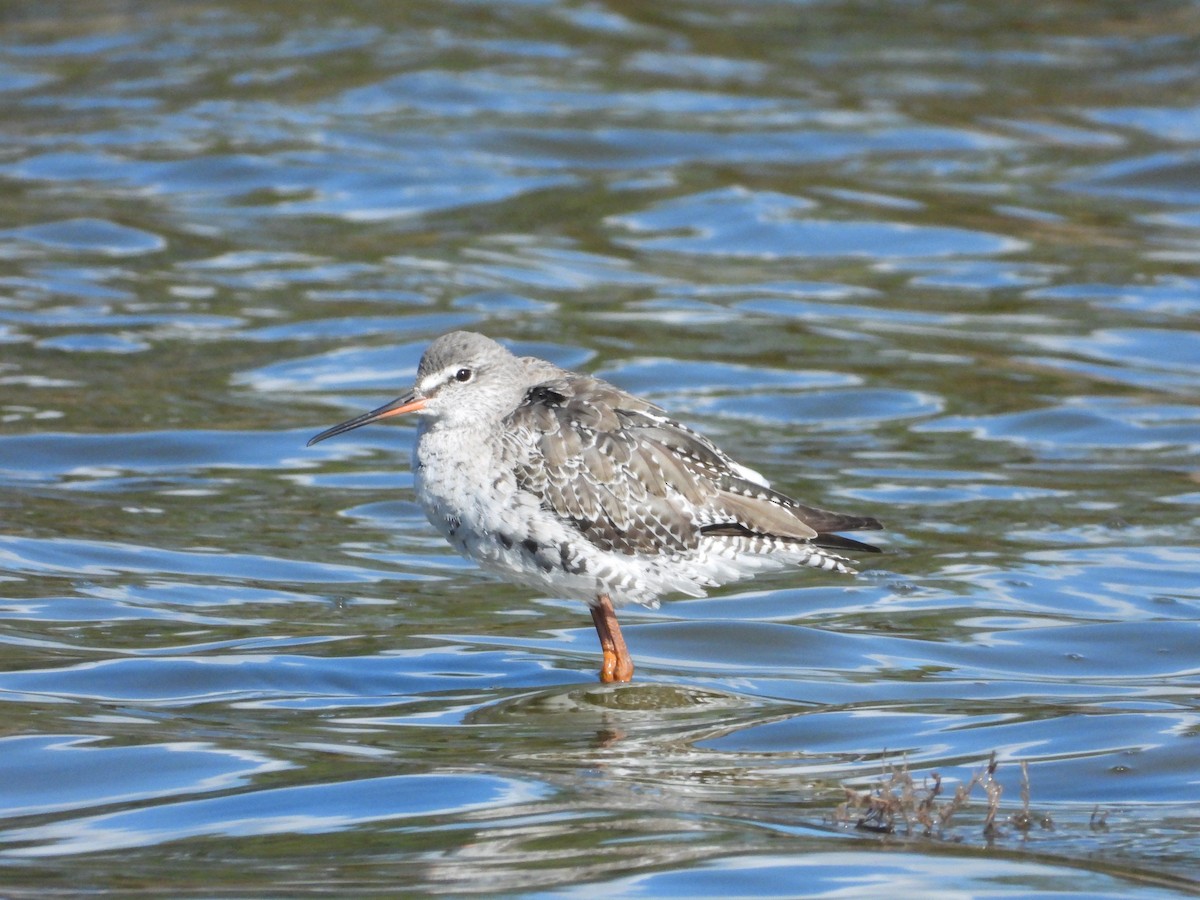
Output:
(762, 225)
(302, 809)
(937, 268)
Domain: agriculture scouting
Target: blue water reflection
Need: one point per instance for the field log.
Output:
(302, 809)
(933, 266)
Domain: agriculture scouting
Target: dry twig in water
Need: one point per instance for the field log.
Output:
(897, 798)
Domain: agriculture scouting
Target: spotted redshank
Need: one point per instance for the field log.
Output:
(564, 482)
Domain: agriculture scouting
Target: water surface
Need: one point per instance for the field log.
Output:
(933, 263)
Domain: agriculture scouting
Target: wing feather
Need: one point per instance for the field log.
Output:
(634, 481)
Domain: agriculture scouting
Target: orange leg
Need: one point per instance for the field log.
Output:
(618, 664)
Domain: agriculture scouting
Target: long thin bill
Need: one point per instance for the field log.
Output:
(398, 407)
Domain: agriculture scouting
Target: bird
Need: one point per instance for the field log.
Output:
(561, 481)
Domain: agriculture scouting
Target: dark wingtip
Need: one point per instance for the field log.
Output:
(838, 542)
(863, 523)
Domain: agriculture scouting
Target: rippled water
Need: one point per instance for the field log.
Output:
(932, 262)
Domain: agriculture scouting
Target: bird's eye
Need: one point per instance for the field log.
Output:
(463, 375)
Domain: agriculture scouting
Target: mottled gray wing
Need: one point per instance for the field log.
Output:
(634, 481)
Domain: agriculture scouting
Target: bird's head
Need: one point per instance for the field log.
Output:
(463, 379)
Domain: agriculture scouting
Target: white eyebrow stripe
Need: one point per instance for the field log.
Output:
(435, 379)
(431, 381)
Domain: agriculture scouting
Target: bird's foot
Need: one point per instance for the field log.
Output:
(616, 668)
(618, 664)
